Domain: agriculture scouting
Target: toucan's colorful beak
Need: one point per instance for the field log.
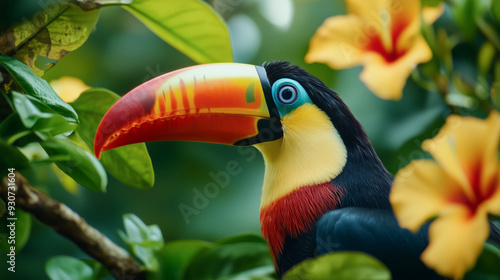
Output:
(217, 103)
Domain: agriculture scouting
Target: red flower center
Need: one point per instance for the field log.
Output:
(481, 191)
(376, 43)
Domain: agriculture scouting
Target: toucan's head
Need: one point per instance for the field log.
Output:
(303, 129)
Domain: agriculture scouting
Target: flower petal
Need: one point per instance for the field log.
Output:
(338, 42)
(431, 14)
(446, 146)
(368, 10)
(467, 148)
(406, 24)
(405, 11)
(492, 204)
(387, 79)
(456, 239)
(490, 164)
(419, 192)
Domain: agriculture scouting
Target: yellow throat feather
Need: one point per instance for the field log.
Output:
(310, 152)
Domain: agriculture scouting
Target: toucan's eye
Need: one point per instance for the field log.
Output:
(287, 94)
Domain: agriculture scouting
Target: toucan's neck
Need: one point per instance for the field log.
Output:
(310, 152)
(309, 171)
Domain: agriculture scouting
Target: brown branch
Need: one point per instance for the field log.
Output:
(70, 225)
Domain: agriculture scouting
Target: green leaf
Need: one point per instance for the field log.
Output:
(431, 3)
(99, 271)
(28, 112)
(486, 267)
(142, 240)
(258, 273)
(230, 261)
(11, 158)
(37, 87)
(12, 128)
(79, 164)
(495, 87)
(129, 164)
(495, 10)
(174, 258)
(22, 230)
(191, 26)
(485, 58)
(67, 182)
(49, 36)
(64, 267)
(34, 119)
(345, 265)
(466, 12)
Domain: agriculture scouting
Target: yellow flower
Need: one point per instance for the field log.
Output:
(383, 35)
(460, 188)
(68, 88)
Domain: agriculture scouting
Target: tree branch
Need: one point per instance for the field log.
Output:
(70, 225)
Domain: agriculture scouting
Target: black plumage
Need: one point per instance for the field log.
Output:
(364, 220)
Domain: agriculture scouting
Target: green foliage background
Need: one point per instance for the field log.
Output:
(122, 52)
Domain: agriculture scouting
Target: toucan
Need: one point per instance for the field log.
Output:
(324, 190)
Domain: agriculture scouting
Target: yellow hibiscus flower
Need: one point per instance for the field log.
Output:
(383, 35)
(460, 188)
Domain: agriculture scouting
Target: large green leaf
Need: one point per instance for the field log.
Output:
(174, 258)
(244, 260)
(130, 164)
(65, 267)
(79, 164)
(191, 26)
(345, 265)
(487, 267)
(48, 36)
(32, 118)
(37, 87)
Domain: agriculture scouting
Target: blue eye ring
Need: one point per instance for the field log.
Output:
(287, 94)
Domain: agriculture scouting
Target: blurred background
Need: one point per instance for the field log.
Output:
(121, 53)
